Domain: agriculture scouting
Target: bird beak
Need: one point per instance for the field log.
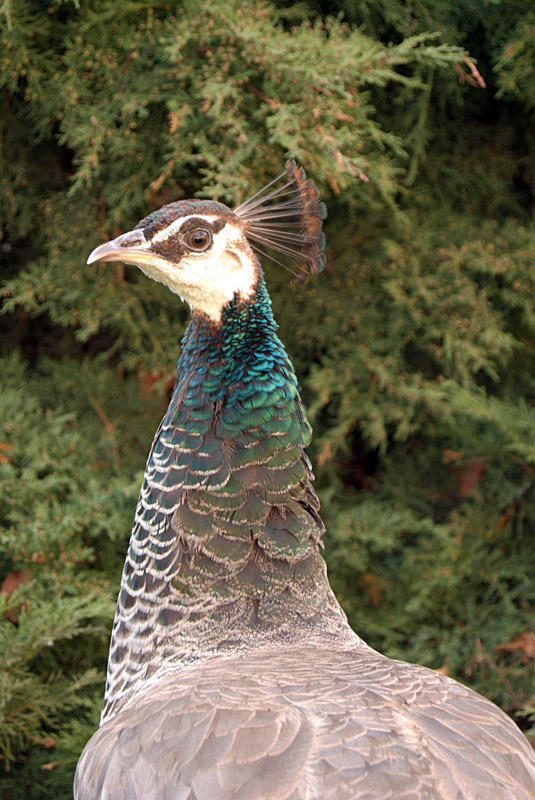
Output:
(130, 247)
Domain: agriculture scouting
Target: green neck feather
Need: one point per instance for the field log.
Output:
(224, 553)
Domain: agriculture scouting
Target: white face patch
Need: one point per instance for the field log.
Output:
(208, 280)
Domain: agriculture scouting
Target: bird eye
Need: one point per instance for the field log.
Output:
(199, 239)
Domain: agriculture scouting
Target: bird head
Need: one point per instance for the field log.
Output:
(203, 251)
(199, 250)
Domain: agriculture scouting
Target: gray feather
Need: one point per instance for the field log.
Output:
(306, 722)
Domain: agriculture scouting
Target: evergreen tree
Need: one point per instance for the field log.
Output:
(415, 348)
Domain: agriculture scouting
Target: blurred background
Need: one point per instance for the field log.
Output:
(415, 348)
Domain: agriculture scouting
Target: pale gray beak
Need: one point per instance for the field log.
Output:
(131, 247)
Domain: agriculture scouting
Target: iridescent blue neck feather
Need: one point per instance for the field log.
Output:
(224, 550)
(233, 354)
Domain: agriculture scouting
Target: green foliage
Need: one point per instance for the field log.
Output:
(515, 64)
(66, 504)
(415, 348)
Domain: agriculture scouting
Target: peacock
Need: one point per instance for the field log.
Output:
(233, 673)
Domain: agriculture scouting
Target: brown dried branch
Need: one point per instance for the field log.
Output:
(110, 430)
(269, 100)
(473, 77)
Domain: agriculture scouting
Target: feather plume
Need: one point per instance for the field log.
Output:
(286, 217)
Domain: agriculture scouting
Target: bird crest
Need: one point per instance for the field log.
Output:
(286, 217)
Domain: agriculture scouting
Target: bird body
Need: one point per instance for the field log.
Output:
(233, 673)
(308, 721)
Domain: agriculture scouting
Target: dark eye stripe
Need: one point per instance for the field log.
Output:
(177, 244)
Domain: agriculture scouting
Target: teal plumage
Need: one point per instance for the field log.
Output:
(227, 471)
(233, 674)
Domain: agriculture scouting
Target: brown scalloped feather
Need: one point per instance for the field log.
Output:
(286, 217)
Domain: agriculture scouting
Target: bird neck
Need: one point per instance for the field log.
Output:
(231, 354)
(224, 553)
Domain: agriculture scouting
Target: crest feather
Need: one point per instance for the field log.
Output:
(286, 216)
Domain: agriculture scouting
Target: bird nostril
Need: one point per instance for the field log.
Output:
(132, 240)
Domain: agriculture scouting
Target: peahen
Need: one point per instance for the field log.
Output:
(233, 674)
